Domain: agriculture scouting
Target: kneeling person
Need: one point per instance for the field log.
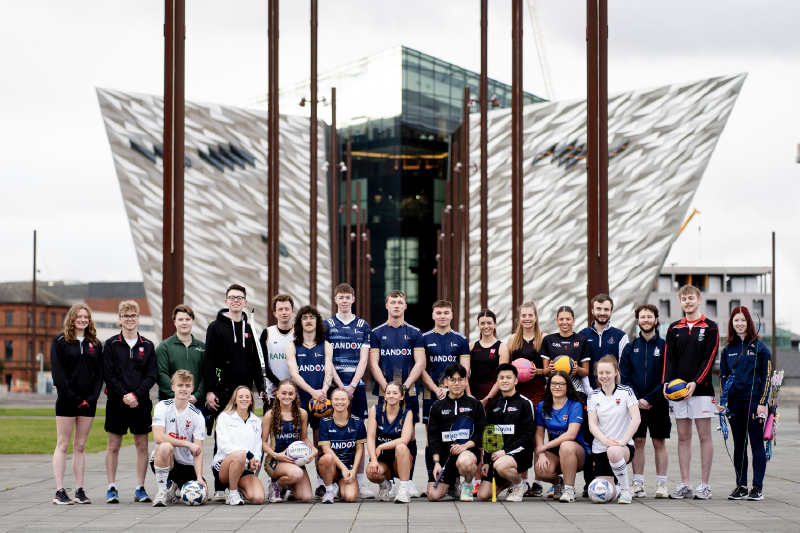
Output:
(342, 437)
(512, 417)
(177, 424)
(465, 456)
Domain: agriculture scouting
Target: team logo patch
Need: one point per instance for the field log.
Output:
(702, 334)
(464, 409)
(445, 411)
(565, 418)
(657, 352)
(188, 424)
(611, 340)
(576, 344)
(618, 400)
(510, 409)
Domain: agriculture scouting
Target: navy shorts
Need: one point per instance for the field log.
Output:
(120, 418)
(358, 404)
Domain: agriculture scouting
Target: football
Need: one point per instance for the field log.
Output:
(193, 493)
(600, 491)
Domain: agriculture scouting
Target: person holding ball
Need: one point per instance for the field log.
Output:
(342, 437)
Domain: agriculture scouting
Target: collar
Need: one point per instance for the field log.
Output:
(176, 340)
(516, 393)
(235, 414)
(343, 322)
(653, 338)
(604, 329)
(138, 338)
(612, 392)
(686, 322)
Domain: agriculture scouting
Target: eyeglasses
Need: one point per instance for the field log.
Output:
(235, 298)
(460, 381)
(557, 384)
(308, 319)
(128, 317)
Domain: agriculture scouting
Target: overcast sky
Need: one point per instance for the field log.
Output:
(58, 174)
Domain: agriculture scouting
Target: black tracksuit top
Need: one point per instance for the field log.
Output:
(443, 414)
(77, 369)
(127, 369)
(513, 417)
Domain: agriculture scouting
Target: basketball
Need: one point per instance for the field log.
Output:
(524, 369)
(600, 491)
(193, 493)
(564, 363)
(677, 390)
(298, 451)
(320, 409)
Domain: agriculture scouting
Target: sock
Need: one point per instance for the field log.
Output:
(659, 479)
(638, 478)
(329, 488)
(407, 484)
(112, 486)
(538, 482)
(569, 487)
(477, 482)
(385, 484)
(522, 482)
(619, 490)
(139, 487)
(360, 478)
(620, 470)
(162, 473)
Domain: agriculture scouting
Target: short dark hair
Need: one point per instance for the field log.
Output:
(343, 288)
(281, 298)
(600, 298)
(236, 287)
(507, 366)
(183, 308)
(396, 294)
(646, 307)
(455, 368)
(442, 303)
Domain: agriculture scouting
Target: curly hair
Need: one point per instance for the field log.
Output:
(90, 333)
(277, 417)
(572, 394)
(319, 337)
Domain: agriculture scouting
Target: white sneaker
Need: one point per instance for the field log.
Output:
(661, 490)
(625, 496)
(568, 495)
(402, 495)
(384, 490)
(234, 498)
(364, 492)
(516, 492)
(466, 492)
(681, 491)
(393, 491)
(702, 492)
(637, 490)
(412, 491)
(220, 496)
(336, 492)
(161, 499)
(274, 492)
(329, 496)
(551, 491)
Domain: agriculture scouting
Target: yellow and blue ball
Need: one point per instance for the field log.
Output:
(677, 390)
(564, 363)
(320, 409)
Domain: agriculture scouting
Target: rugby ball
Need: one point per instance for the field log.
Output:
(564, 363)
(193, 493)
(524, 369)
(299, 452)
(320, 409)
(600, 490)
(677, 390)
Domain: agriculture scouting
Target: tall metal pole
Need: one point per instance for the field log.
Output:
(368, 288)
(172, 287)
(33, 320)
(466, 196)
(347, 213)
(774, 320)
(335, 178)
(597, 144)
(312, 264)
(439, 264)
(455, 251)
(273, 141)
(484, 156)
(356, 209)
(516, 156)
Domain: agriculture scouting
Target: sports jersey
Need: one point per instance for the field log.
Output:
(343, 439)
(558, 421)
(311, 365)
(610, 341)
(613, 417)
(483, 364)
(190, 425)
(690, 352)
(512, 416)
(534, 388)
(575, 346)
(288, 435)
(396, 347)
(273, 344)
(347, 341)
(388, 431)
(442, 351)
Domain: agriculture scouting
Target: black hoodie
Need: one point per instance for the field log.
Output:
(77, 369)
(231, 357)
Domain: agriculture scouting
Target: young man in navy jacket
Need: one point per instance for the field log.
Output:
(640, 368)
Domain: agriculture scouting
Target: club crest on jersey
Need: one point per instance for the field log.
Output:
(636, 350)
(565, 418)
(464, 409)
(657, 352)
(247, 335)
(618, 400)
(576, 344)
(188, 424)
(702, 334)
(511, 409)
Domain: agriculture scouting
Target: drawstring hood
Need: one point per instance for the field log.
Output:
(230, 355)
(223, 313)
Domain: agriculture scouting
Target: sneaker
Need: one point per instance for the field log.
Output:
(288, 496)
(320, 492)
(661, 489)
(172, 492)
(637, 490)
(456, 492)
(466, 492)
(112, 495)
(739, 493)
(557, 490)
(393, 490)
(516, 493)
(81, 497)
(681, 491)
(475, 486)
(625, 496)
(161, 499)
(274, 492)
(585, 493)
(534, 491)
(412, 491)
(383, 492)
(568, 495)
(702, 492)
(336, 492)
(234, 498)
(220, 496)
(141, 496)
(402, 495)
(62, 498)
(328, 497)
(551, 491)
(755, 494)
(364, 492)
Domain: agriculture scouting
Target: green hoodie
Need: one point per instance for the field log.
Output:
(173, 355)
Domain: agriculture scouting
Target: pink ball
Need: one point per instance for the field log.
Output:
(524, 369)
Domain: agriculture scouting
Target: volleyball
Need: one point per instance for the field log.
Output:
(564, 363)
(193, 493)
(299, 452)
(677, 390)
(600, 490)
(320, 409)
(524, 369)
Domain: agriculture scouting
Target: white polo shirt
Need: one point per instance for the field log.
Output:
(613, 417)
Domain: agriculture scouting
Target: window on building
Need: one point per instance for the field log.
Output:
(9, 318)
(758, 308)
(733, 304)
(30, 351)
(744, 284)
(41, 320)
(9, 350)
(52, 320)
(41, 347)
(664, 284)
(714, 283)
(30, 319)
(401, 266)
(663, 310)
(711, 308)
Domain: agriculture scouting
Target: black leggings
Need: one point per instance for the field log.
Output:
(744, 428)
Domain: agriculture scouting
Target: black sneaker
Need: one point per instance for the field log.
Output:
(62, 498)
(320, 492)
(739, 493)
(585, 493)
(81, 497)
(534, 491)
(755, 494)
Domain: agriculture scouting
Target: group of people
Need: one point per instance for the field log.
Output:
(308, 372)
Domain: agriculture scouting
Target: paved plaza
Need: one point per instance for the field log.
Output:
(27, 487)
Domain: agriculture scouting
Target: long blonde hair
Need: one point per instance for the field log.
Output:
(90, 333)
(516, 340)
(231, 407)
